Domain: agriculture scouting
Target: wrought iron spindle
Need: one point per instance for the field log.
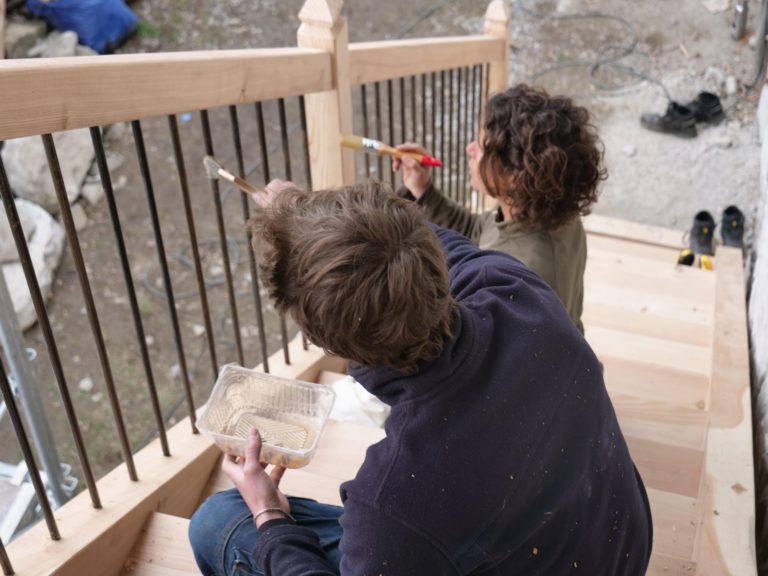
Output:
(414, 136)
(267, 178)
(45, 327)
(181, 169)
(377, 102)
(433, 103)
(106, 182)
(307, 170)
(461, 192)
(289, 177)
(5, 562)
(208, 141)
(446, 164)
(364, 103)
(391, 128)
(146, 175)
(90, 304)
(451, 168)
(423, 137)
(26, 450)
(246, 210)
(403, 125)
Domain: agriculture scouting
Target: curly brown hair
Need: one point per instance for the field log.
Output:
(360, 271)
(542, 156)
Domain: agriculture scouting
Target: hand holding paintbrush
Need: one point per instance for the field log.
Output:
(379, 148)
(262, 197)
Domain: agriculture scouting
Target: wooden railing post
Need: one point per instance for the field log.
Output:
(497, 25)
(329, 114)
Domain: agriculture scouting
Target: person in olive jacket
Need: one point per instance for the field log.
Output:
(540, 158)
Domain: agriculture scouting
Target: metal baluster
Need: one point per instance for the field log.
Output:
(45, 327)
(90, 305)
(423, 137)
(289, 177)
(178, 154)
(403, 137)
(29, 458)
(433, 103)
(308, 171)
(377, 101)
(364, 102)
(266, 173)
(451, 166)
(141, 152)
(467, 131)
(446, 161)
(391, 126)
(5, 562)
(461, 193)
(414, 136)
(106, 182)
(249, 238)
(208, 140)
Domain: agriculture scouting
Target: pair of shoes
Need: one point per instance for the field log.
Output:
(703, 230)
(681, 119)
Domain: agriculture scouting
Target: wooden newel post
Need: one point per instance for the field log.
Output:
(497, 25)
(329, 114)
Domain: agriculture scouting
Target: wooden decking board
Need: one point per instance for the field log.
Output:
(625, 295)
(667, 467)
(675, 524)
(660, 352)
(654, 383)
(631, 249)
(162, 549)
(647, 321)
(662, 422)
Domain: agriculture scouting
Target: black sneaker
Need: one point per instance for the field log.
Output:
(707, 108)
(732, 229)
(678, 120)
(703, 233)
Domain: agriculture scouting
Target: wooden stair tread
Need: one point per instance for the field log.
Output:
(162, 549)
(339, 455)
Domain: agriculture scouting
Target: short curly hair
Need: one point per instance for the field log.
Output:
(542, 154)
(360, 271)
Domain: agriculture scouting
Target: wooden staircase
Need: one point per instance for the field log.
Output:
(673, 343)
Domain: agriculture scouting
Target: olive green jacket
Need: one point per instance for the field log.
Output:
(559, 256)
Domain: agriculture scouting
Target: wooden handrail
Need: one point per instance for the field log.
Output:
(55, 94)
(376, 61)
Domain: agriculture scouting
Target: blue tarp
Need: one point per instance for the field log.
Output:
(99, 24)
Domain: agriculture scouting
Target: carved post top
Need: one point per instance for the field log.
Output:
(497, 16)
(321, 13)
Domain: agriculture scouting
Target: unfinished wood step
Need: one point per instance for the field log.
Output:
(339, 454)
(162, 549)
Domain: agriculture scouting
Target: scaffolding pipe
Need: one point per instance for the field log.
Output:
(29, 397)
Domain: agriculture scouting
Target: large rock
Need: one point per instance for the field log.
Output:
(28, 172)
(8, 251)
(46, 241)
(55, 45)
(21, 36)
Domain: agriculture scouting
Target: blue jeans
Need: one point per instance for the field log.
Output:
(223, 535)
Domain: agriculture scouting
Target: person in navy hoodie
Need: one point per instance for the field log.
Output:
(502, 455)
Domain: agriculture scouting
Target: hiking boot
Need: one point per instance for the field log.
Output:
(703, 233)
(707, 108)
(678, 120)
(732, 229)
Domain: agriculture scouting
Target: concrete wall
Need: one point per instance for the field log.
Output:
(758, 321)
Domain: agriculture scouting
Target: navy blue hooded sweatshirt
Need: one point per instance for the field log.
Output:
(501, 457)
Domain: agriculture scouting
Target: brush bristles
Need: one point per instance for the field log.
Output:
(212, 168)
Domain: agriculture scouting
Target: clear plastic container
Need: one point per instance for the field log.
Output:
(289, 414)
